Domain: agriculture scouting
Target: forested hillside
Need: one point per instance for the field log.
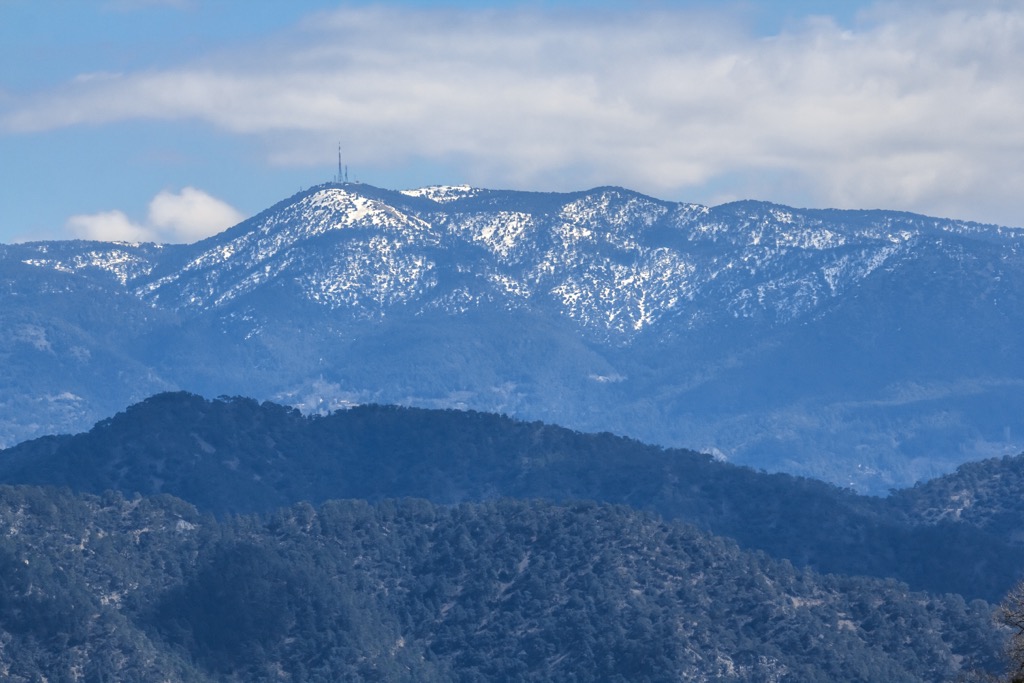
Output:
(108, 588)
(237, 455)
(984, 494)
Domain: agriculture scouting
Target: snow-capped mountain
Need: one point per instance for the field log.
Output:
(868, 347)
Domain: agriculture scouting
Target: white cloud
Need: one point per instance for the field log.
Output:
(108, 226)
(187, 216)
(918, 106)
(190, 215)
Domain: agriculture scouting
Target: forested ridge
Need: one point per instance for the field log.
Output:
(984, 494)
(105, 588)
(235, 455)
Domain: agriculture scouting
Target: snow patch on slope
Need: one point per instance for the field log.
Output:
(442, 194)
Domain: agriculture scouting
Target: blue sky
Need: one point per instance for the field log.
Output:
(171, 119)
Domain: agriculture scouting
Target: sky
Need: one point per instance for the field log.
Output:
(170, 120)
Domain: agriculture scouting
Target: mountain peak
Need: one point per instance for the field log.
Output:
(746, 327)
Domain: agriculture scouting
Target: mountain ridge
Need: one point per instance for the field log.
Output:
(238, 456)
(796, 324)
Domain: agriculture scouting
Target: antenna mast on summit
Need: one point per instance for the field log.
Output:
(342, 170)
(342, 176)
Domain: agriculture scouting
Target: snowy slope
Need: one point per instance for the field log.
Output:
(782, 337)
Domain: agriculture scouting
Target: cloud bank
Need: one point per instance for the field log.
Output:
(917, 106)
(186, 216)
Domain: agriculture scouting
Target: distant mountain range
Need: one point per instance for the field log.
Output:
(872, 349)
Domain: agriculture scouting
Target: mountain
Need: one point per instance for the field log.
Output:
(108, 588)
(984, 495)
(232, 456)
(872, 349)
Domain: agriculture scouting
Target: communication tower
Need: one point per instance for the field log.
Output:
(342, 176)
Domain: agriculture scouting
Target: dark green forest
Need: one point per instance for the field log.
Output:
(236, 456)
(985, 495)
(109, 588)
(188, 539)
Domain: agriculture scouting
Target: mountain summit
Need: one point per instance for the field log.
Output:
(869, 348)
